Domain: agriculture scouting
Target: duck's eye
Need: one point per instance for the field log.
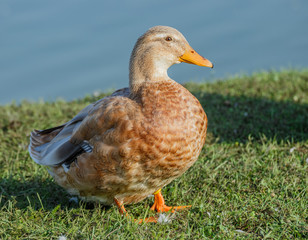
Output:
(168, 39)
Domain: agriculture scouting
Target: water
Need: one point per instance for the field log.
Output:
(67, 49)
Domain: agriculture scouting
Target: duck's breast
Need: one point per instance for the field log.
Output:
(174, 129)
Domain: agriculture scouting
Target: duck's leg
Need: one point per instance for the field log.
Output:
(124, 212)
(159, 204)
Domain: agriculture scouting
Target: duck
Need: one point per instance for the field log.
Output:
(132, 143)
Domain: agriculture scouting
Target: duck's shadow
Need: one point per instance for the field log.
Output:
(236, 118)
(38, 194)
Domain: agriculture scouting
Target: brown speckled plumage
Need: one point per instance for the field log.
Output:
(143, 136)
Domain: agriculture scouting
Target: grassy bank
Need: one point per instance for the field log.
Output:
(250, 181)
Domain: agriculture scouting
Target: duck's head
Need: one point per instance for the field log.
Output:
(158, 49)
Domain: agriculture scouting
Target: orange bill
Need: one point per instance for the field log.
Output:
(192, 57)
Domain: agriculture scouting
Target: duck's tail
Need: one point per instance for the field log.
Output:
(52, 146)
(39, 141)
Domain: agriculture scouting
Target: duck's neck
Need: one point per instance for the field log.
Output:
(145, 68)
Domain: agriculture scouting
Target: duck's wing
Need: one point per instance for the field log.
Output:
(54, 146)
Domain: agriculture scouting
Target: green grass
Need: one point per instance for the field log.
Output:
(247, 184)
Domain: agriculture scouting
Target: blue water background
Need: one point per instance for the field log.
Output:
(70, 48)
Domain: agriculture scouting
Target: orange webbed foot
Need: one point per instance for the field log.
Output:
(123, 211)
(159, 204)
